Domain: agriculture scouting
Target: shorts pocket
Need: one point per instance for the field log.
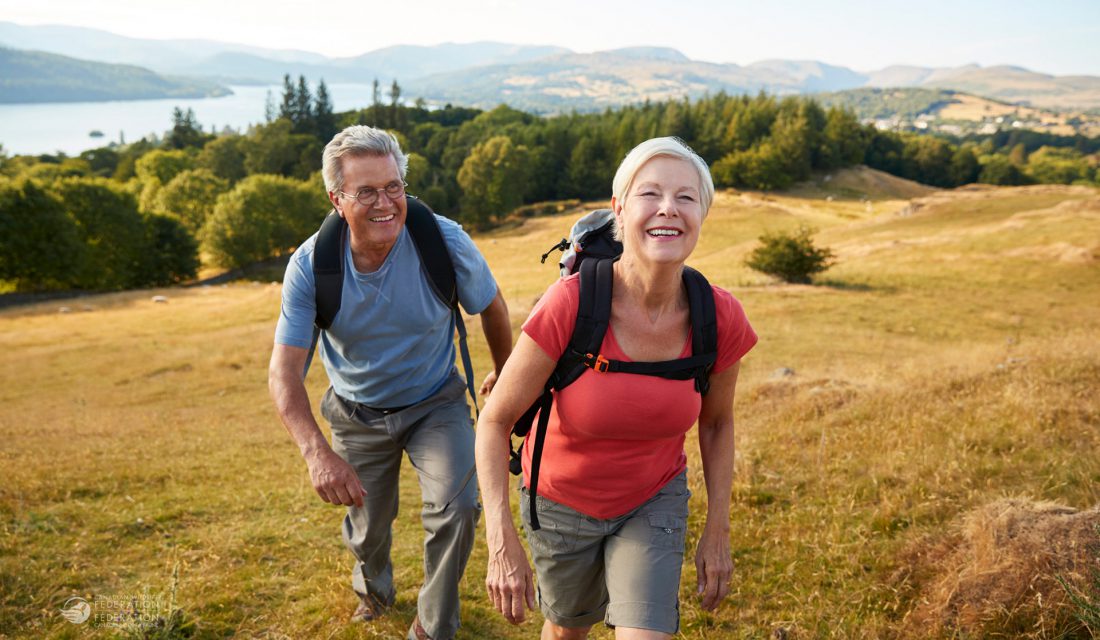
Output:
(558, 524)
(667, 530)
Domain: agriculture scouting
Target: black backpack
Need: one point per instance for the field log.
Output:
(592, 251)
(328, 274)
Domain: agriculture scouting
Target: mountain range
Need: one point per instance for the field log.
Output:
(543, 79)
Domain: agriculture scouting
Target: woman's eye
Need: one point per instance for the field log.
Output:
(687, 198)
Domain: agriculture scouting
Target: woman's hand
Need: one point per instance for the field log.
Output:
(713, 567)
(509, 579)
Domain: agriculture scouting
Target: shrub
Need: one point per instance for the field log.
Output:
(791, 257)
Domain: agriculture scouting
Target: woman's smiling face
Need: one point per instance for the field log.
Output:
(661, 213)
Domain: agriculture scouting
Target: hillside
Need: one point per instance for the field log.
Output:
(957, 113)
(949, 359)
(546, 79)
(1007, 83)
(621, 76)
(34, 76)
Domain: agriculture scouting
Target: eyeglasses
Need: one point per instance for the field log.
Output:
(367, 196)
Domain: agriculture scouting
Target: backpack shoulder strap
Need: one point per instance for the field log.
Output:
(593, 317)
(704, 324)
(328, 277)
(428, 240)
(436, 261)
(328, 268)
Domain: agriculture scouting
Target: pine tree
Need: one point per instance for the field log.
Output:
(290, 98)
(323, 117)
(303, 108)
(395, 97)
(376, 104)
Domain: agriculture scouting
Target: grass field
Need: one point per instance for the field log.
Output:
(951, 358)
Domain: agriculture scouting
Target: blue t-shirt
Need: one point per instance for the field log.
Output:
(392, 342)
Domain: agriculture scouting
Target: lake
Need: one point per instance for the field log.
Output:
(53, 127)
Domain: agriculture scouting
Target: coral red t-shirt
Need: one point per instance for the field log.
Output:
(614, 439)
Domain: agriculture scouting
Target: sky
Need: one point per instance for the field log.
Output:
(1060, 37)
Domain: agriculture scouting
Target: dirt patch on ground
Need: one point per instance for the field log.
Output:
(996, 574)
(1057, 252)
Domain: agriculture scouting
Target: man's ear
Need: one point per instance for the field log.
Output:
(334, 198)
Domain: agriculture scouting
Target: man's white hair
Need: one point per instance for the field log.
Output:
(358, 140)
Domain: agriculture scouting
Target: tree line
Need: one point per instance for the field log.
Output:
(242, 198)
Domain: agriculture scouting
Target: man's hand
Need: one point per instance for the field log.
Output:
(334, 479)
(713, 567)
(509, 580)
(490, 382)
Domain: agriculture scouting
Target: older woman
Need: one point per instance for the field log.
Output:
(612, 493)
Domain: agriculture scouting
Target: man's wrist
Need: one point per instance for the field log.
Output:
(311, 448)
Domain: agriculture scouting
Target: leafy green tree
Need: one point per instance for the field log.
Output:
(885, 152)
(262, 217)
(844, 140)
(186, 131)
(111, 229)
(40, 246)
(48, 172)
(274, 149)
(1018, 155)
(162, 165)
(493, 180)
(190, 197)
(1053, 165)
(102, 161)
(172, 253)
(964, 166)
(760, 167)
(999, 170)
(419, 175)
(791, 257)
(224, 157)
(591, 168)
(927, 160)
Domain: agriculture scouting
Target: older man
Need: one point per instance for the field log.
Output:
(389, 354)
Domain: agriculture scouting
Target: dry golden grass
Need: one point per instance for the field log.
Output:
(943, 364)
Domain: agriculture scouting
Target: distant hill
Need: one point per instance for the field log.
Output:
(620, 76)
(1012, 84)
(957, 113)
(404, 62)
(163, 56)
(34, 76)
(545, 79)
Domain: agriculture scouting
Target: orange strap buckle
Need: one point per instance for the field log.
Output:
(599, 363)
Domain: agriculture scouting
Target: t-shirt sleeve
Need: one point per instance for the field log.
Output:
(735, 335)
(476, 285)
(299, 304)
(552, 320)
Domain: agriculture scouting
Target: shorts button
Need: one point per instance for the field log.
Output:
(669, 531)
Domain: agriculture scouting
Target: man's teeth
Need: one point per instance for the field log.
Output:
(663, 232)
(382, 218)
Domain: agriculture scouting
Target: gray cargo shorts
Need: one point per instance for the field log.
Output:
(624, 571)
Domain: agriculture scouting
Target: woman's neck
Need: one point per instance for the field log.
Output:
(656, 288)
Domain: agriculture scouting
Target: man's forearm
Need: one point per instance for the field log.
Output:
(292, 404)
(497, 327)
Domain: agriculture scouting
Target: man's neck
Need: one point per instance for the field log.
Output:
(369, 257)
